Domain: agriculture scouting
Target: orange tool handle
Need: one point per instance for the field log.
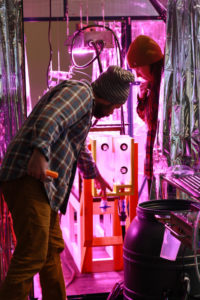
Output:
(52, 174)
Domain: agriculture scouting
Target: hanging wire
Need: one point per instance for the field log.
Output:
(83, 73)
(96, 45)
(81, 13)
(50, 45)
(122, 132)
(117, 291)
(67, 18)
(92, 60)
(77, 33)
(98, 52)
(103, 11)
(87, 13)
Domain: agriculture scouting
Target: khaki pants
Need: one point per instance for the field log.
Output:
(39, 242)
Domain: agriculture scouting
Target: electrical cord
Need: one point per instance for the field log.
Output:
(77, 33)
(90, 62)
(123, 124)
(116, 291)
(82, 73)
(186, 286)
(50, 45)
(95, 46)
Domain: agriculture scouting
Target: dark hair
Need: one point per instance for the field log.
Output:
(156, 70)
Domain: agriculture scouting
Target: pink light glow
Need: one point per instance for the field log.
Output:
(83, 51)
(110, 56)
(155, 29)
(28, 92)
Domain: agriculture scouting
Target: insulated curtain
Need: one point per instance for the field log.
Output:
(181, 121)
(12, 105)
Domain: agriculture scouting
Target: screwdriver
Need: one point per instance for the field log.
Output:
(52, 174)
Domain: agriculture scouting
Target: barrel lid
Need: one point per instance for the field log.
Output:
(164, 206)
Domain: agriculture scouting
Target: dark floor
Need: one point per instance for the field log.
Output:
(88, 286)
(94, 286)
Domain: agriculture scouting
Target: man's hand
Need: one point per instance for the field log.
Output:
(102, 184)
(37, 165)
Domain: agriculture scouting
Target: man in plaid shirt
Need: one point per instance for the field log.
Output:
(146, 58)
(53, 137)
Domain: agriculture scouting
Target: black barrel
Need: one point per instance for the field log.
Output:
(146, 274)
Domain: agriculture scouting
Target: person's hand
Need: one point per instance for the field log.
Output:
(37, 165)
(144, 89)
(102, 184)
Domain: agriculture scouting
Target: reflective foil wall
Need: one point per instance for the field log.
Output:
(182, 85)
(12, 104)
(12, 100)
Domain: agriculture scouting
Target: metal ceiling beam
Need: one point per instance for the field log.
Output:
(160, 9)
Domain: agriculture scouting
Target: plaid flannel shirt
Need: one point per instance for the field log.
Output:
(58, 127)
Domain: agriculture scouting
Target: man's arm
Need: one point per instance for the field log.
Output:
(89, 170)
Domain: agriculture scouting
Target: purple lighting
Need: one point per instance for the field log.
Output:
(83, 51)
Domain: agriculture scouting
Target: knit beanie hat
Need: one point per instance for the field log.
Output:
(143, 51)
(113, 85)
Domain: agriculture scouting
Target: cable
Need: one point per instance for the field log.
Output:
(116, 291)
(186, 286)
(50, 46)
(90, 62)
(122, 121)
(95, 46)
(78, 71)
(77, 33)
(98, 52)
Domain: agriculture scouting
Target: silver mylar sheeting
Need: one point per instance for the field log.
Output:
(181, 122)
(12, 93)
(12, 104)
